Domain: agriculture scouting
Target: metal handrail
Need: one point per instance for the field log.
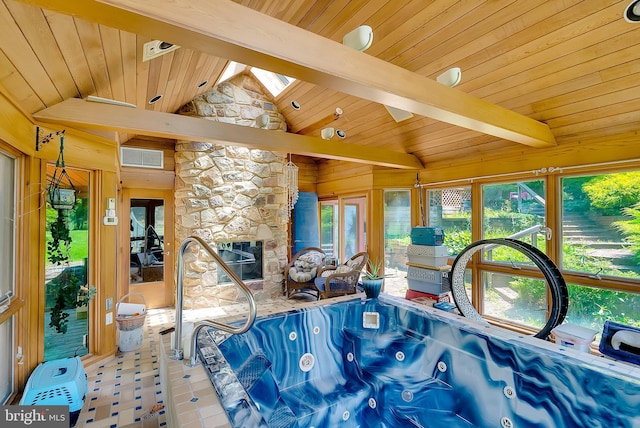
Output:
(178, 353)
(533, 230)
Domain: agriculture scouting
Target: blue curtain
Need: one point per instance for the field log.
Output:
(305, 222)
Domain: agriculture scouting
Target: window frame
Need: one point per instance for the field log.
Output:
(552, 178)
(15, 303)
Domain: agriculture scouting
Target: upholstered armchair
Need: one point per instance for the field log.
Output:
(342, 279)
(302, 270)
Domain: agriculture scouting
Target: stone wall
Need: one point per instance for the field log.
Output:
(227, 193)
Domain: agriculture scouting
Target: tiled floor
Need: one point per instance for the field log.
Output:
(126, 391)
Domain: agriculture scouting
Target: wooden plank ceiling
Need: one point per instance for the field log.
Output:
(570, 64)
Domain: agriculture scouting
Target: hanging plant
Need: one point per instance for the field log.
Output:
(62, 197)
(60, 242)
(68, 294)
(60, 192)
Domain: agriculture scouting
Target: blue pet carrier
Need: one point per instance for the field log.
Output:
(58, 383)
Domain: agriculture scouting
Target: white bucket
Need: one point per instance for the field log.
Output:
(574, 336)
(130, 319)
(131, 340)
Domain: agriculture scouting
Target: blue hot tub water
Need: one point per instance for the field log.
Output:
(388, 363)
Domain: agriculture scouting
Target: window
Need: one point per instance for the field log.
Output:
(397, 228)
(6, 360)
(451, 210)
(7, 224)
(601, 224)
(354, 226)
(66, 311)
(516, 298)
(7, 271)
(275, 83)
(514, 210)
(342, 227)
(590, 307)
(329, 228)
(146, 241)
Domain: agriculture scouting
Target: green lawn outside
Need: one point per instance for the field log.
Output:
(79, 248)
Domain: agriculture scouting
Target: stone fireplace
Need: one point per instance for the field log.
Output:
(244, 259)
(228, 195)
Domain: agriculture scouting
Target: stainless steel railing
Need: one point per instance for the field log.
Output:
(178, 353)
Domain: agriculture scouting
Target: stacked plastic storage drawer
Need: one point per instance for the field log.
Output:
(58, 383)
(427, 260)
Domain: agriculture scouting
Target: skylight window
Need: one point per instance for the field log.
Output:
(274, 82)
(231, 70)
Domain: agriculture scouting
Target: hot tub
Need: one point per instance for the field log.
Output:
(392, 363)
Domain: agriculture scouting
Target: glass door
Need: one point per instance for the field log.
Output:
(354, 226)
(150, 237)
(329, 237)
(67, 292)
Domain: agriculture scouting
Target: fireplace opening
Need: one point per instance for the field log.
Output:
(244, 259)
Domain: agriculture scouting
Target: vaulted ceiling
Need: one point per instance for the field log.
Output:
(561, 71)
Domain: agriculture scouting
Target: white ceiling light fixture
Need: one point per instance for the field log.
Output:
(451, 77)
(156, 48)
(632, 12)
(359, 39)
(327, 133)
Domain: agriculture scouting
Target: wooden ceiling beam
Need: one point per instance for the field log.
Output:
(83, 114)
(229, 30)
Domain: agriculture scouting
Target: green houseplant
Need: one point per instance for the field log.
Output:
(372, 279)
(67, 292)
(58, 246)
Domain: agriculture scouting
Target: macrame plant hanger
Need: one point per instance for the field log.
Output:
(60, 191)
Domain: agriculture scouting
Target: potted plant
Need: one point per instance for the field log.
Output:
(372, 279)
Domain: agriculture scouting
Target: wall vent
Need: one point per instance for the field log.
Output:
(141, 158)
(398, 114)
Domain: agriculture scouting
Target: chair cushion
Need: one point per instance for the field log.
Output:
(336, 285)
(343, 269)
(309, 260)
(355, 262)
(302, 275)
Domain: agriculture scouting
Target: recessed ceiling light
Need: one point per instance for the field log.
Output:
(155, 99)
(340, 133)
(632, 12)
(201, 84)
(295, 105)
